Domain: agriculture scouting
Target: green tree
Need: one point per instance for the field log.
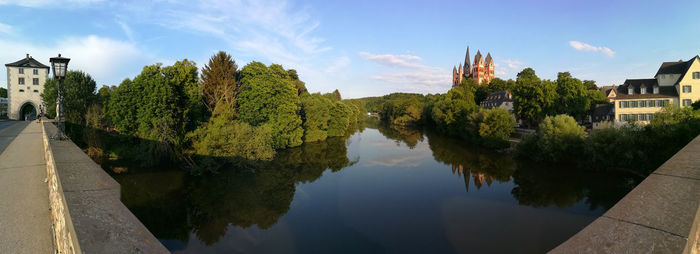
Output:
(78, 90)
(219, 81)
(573, 99)
(560, 138)
(532, 97)
(450, 111)
(270, 97)
(3, 92)
(336, 95)
(590, 85)
(339, 119)
(496, 127)
(316, 114)
(122, 107)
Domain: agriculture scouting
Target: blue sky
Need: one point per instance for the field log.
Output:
(363, 48)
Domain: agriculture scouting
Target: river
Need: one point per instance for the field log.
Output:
(380, 190)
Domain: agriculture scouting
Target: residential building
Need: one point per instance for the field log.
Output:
(3, 108)
(25, 83)
(603, 115)
(482, 70)
(676, 83)
(502, 99)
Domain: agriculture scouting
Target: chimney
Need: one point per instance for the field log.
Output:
(27, 55)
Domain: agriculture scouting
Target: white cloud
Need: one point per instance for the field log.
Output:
(339, 64)
(588, 47)
(5, 28)
(409, 61)
(106, 60)
(127, 30)
(47, 3)
(414, 76)
(508, 67)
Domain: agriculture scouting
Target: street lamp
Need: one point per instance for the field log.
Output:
(60, 66)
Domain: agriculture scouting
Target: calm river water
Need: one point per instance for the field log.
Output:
(381, 190)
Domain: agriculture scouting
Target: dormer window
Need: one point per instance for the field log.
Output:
(643, 90)
(630, 90)
(656, 89)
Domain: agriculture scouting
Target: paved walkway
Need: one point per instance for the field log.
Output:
(25, 224)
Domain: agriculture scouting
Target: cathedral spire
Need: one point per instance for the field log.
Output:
(467, 64)
(489, 60)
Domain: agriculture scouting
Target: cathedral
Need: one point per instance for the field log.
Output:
(481, 70)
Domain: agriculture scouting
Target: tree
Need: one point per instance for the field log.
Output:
(339, 119)
(533, 99)
(573, 99)
(78, 90)
(450, 111)
(219, 81)
(122, 107)
(496, 127)
(559, 138)
(184, 75)
(270, 97)
(336, 95)
(3, 92)
(316, 114)
(590, 85)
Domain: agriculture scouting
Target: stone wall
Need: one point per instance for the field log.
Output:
(660, 215)
(88, 214)
(64, 234)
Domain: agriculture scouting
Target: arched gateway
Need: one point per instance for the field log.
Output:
(28, 111)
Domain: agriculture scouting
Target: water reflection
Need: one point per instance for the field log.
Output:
(352, 201)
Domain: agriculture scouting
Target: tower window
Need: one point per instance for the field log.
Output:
(21, 70)
(36, 91)
(36, 72)
(20, 80)
(21, 90)
(35, 81)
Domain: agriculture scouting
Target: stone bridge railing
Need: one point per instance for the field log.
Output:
(86, 210)
(660, 215)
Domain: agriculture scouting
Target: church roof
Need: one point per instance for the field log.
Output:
(467, 62)
(488, 58)
(27, 62)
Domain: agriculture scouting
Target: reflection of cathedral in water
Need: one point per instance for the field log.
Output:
(478, 177)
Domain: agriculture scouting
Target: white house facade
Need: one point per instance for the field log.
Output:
(25, 83)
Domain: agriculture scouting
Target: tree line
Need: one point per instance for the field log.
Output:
(224, 114)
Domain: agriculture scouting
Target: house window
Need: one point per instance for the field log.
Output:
(36, 72)
(687, 102)
(643, 90)
(623, 117)
(634, 104)
(659, 103)
(20, 81)
(650, 116)
(21, 70)
(643, 104)
(632, 117)
(656, 89)
(630, 90)
(686, 89)
(642, 117)
(36, 91)
(651, 103)
(35, 81)
(696, 75)
(21, 90)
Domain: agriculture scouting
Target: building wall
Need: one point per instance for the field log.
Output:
(639, 110)
(667, 79)
(31, 93)
(688, 80)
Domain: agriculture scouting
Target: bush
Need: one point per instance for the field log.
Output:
(558, 139)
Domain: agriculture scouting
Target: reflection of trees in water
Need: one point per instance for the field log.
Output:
(563, 186)
(207, 205)
(407, 135)
(482, 166)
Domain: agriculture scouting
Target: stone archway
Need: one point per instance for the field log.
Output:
(27, 112)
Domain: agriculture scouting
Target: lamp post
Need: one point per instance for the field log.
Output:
(60, 66)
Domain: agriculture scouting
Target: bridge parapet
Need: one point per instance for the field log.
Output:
(660, 215)
(85, 204)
